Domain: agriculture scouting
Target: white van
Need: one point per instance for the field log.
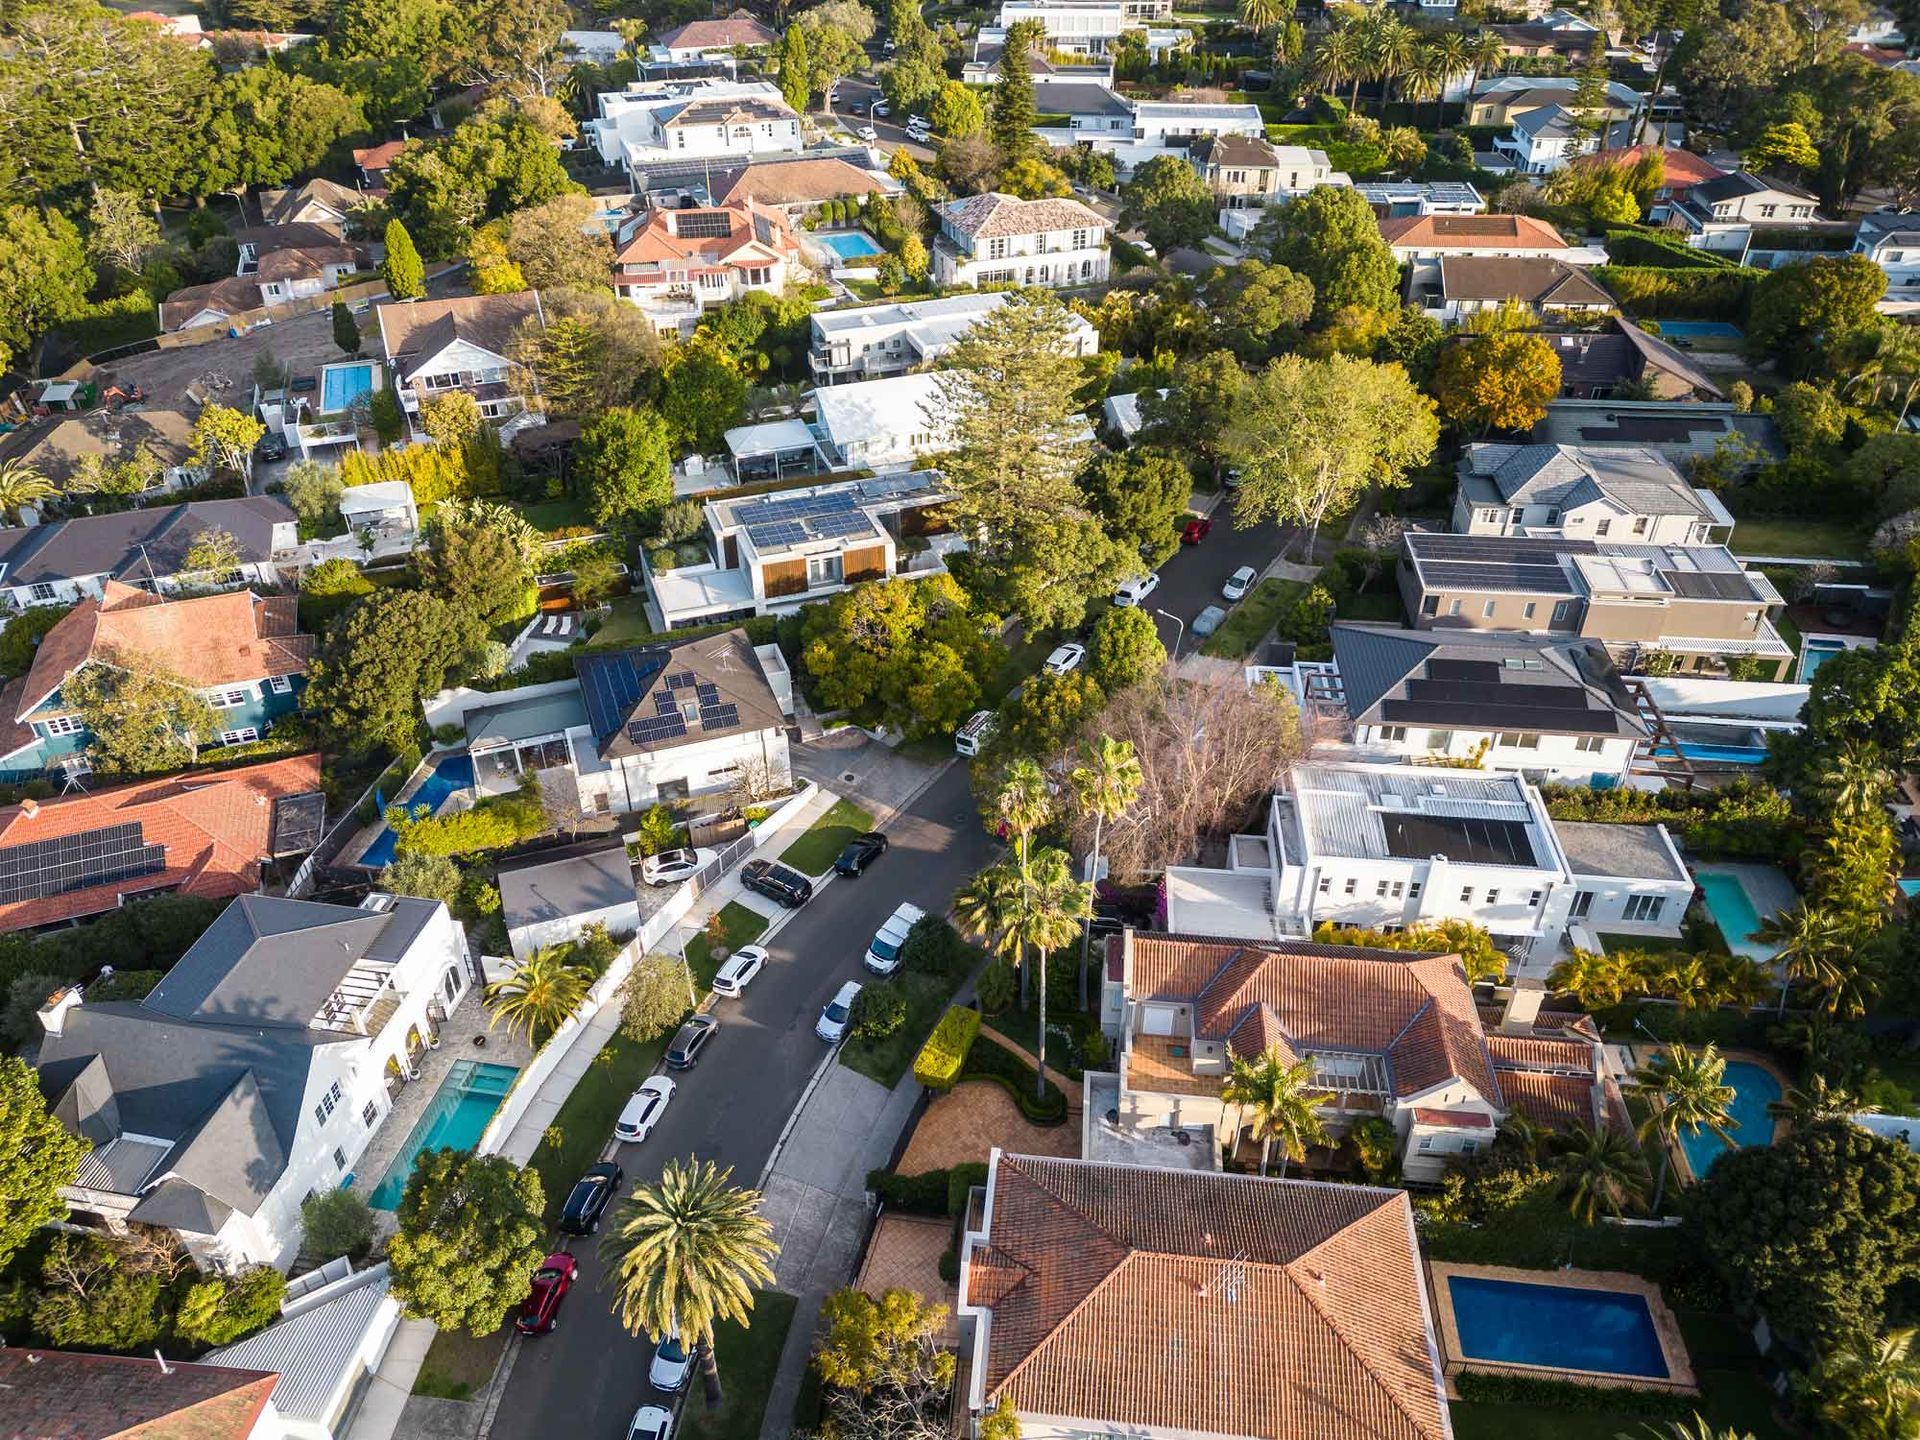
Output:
(972, 737)
(883, 952)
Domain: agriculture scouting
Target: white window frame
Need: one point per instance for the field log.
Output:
(64, 725)
(280, 684)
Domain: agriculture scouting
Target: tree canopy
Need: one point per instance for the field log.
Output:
(37, 1158)
(913, 655)
(393, 648)
(1330, 236)
(470, 1234)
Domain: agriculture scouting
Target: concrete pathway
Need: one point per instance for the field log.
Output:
(392, 1385)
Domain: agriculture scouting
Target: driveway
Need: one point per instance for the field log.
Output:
(589, 1377)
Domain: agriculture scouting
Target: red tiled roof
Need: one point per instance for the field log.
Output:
(62, 1395)
(754, 233)
(1472, 232)
(1141, 1298)
(1453, 1119)
(739, 28)
(379, 157)
(1683, 168)
(216, 827)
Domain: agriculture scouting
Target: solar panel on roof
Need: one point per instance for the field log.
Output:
(66, 863)
(611, 685)
(1490, 715)
(656, 728)
(702, 224)
(1479, 671)
(1709, 584)
(1559, 697)
(709, 694)
(719, 717)
(681, 679)
(664, 703)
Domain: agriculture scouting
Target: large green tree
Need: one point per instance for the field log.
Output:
(626, 458)
(140, 719)
(1798, 310)
(278, 124)
(1330, 236)
(495, 162)
(1168, 202)
(703, 392)
(913, 655)
(390, 52)
(1259, 307)
(44, 278)
(470, 1234)
(796, 69)
(559, 244)
(1011, 112)
(1502, 381)
(480, 570)
(402, 269)
(394, 648)
(37, 1158)
(1141, 495)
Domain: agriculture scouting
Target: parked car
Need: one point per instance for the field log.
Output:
(971, 738)
(1065, 659)
(861, 852)
(684, 1052)
(777, 882)
(1135, 592)
(1240, 582)
(271, 447)
(1208, 620)
(832, 1025)
(672, 1365)
(651, 1422)
(868, 134)
(1195, 530)
(918, 128)
(592, 1193)
(540, 1311)
(644, 1110)
(833, 98)
(738, 969)
(670, 867)
(883, 951)
(881, 108)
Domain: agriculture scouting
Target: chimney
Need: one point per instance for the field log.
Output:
(1523, 1007)
(29, 809)
(53, 1014)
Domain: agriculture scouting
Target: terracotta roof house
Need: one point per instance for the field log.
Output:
(240, 651)
(435, 346)
(1391, 1033)
(679, 263)
(998, 239)
(1116, 1299)
(1429, 237)
(704, 37)
(1681, 168)
(66, 1395)
(199, 834)
(799, 185)
(374, 160)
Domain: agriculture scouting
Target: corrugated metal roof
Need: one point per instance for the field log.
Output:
(312, 1348)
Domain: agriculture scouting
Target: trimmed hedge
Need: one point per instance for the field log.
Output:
(992, 1061)
(936, 1192)
(1660, 250)
(1648, 292)
(109, 324)
(1556, 1395)
(941, 1059)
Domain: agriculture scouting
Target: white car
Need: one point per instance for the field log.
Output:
(883, 951)
(1208, 621)
(880, 108)
(737, 972)
(1240, 582)
(919, 129)
(670, 867)
(672, 1364)
(1065, 659)
(972, 736)
(651, 1422)
(834, 1019)
(644, 1110)
(868, 134)
(1135, 592)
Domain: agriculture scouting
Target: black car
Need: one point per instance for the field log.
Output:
(861, 852)
(777, 882)
(271, 447)
(592, 1193)
(685, 1050)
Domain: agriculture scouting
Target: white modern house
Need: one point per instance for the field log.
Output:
(1592, 493)
(880, 424)
(1891, 239)
(255, 1073)
(869, 342)
(1082, 27)
(655, 124)
(997, 239)
(1725, 214)
(1397, 199)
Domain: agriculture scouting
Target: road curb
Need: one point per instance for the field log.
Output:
(831, 1059)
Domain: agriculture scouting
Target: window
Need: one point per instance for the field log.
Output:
(1467, 1147)
(1517, 740)
(1486, 611)
(1590, 744)
(42, 592)
(1601, 528)
(63, 725)
(370, 1114)
(1466, 894)
(1413, 890)
(1399, 888)
(339, 1158)
(229, 699)
(1453, 608)
(1426, 1142)
(823, 570)
(1079, 239)
(996, 250)
(1391, 734)
(1380, 891)
(242, 736)
(323, 1111)
(1644, 908)
(1582, 903)
(1526, 611)
(1439, 741)
(1639, 524)
(1533, 900)
(1430, 605)
(1326, 884)
(1562, 611)
(1352, 885)
(280, 684)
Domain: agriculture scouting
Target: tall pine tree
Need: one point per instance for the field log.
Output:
(1011, 118)
(795, 67)
(403, 271)
(346, 331)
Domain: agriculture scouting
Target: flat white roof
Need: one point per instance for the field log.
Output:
(383, 495)
(869, 408)
(766, 439)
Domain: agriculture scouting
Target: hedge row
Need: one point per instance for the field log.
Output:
(940, 1060)
(109, 324)
(991, 1061)
(1653, 293)
(934, 1192)
(1557, 1395)
(1661, 250)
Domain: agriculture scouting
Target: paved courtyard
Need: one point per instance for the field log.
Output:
(968, 1121)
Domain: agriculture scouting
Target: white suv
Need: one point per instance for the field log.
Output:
(883, 951)
(1135, 592)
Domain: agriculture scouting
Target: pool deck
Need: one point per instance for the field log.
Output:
(1767, 888)
(1673, 1349)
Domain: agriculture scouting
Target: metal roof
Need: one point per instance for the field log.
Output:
(1400, 811)
(314, 1347)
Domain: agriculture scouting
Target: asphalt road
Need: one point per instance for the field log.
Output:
(586, 1379)
(849, 113)
(1191, 580)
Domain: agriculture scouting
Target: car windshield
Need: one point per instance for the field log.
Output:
(670, 1350)
(547, 1277)
(836, 1012)
(584, 1192)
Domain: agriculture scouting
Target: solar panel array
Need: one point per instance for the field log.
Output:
(1475, 841)
(1709, 584)
(1483, 672)
(719, 717)
(612, 685)
(702, 224)
(682, 680)
(776, 523)
(656, 728)
(1460, 562)
(77, 862)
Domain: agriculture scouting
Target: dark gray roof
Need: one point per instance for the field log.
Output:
(1642, 482)
(1741, 182)
(1677, 429)
(136, 545)
(180, 1206)
(561, 889)
(1622, 852)
(80, 1096)
(627, 689)
(1074, 97)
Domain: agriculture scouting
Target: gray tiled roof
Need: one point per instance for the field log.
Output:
(1643, 482)
(132, 544)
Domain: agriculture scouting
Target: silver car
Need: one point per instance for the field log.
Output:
(1208, 621)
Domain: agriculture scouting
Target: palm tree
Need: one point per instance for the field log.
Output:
(1694, 1429)
(21, 484)
(1105, 784)
(1855, 780)
(1052, 909)
(1869, 1387)
(1337, 59)
(1604, 1172)
(1023, 802)
(1817, 1100)
(1390, 48)
(1259, 15)
(1595, 978)
(1813, 946)
(539, 996)
(1529, 1138)
(1426, 78)
(1276, 1097)
(1486, 50)
(1691, 1094)
(1456, 56)
(686, 1253)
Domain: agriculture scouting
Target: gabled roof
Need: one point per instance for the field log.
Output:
(803, 181)
(224, 639)
(68, 1395)
(752, 234)
(286, 204)
(315, 1344)
(1641, 482)
(414, 332)
(1536, 280)
(1151, 1299)
(637, 699)
(1680, 167)
(1486, 232)
(1241, 151)
(137, 545)
(378, 157)
(994, 215)
(163, 434)
(1744, 182)
(738, 28)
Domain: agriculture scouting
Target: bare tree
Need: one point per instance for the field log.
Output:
(757, 780)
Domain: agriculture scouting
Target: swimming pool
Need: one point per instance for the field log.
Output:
(1909, 888)
(1558, 1327)
(455, 1119)
(1721, 754)
(1719, 329)
(1754, 1089)
(1814, 654)
(453, 773)
(341, 385)
(1733, 910)
(851, 244)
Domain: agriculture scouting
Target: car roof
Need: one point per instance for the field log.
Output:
(847, 991)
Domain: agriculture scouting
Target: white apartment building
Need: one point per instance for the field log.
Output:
(656, 123)
(1080, 27)
(869, 342)
(1597, 493)
(997, 239)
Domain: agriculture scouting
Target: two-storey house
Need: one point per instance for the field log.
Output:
(698, 39)
(241, 652)
(870, 342)
(1249, 171)
(1398, 199)
(997, 239)
(256, 1073)
(1732, 214)
(1080, 27)
(279, 264)
(652, 125)
(1414, 239)
(677, 264)
(1599, 493)
(71, 560)
(1461, 285)
(436, 347)
(1655, 607)
(1891, 239)
(1505, 98)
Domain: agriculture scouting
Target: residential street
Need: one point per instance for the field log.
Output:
(587, 1378)
(1191, 580)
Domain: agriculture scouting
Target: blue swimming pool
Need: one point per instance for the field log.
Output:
(455, 1119)
(1754, 1089)
(1733, 911)
(1813, 655)
(341, 385)
(1718, 329)
(851, 244)
(1562, 1327)
(1909, 888)
(1725, 754)
(451, 774)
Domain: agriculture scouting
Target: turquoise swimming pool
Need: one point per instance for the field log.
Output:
(455, 1119)
(1558, 1327)
(453, 773)
(342, 385)
(1754, 1089)
(851, 244)
(1733, 911)
(1814, 654)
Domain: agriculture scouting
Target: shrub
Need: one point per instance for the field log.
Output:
(222, 1308)
(916, 1194)
(934, 947)
(960, 1181)
(940, 1060)
(878, 1012)
(989, 1060)
(1700, 293)
(125, 985)
(658, 831)
(1555, 1395)
(335, 1223)
(998, 985)
(22, 635)
(109, 324)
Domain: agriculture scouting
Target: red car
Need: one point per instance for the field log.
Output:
(1195, 530)
(540, 1311)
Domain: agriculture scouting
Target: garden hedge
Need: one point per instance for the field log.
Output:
(1556, 1395)
(991, 1061)
(941, 1059)
(1661, 250)
(1651, 292)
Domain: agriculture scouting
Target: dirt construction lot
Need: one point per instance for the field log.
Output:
(223, 369)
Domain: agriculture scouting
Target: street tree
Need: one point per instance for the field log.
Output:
(888, 1377)
(911, 655)
(1141, 495)
(1168, 201)
(1330, 236)
(1126, 648)
(626, 458)
(470, 1234)
(655, 997)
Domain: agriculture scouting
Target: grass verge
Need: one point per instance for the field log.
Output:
(553, 515)
(459, 1366)
(815, 851)
(1249, 621)
(744, 926)
(887, 1059)
(585, 1121)
(749, 1356)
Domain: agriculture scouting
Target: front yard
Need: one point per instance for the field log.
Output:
(459, 1366)
(748, 1356)
(743, 927)
(816, 850)
(887, 1059)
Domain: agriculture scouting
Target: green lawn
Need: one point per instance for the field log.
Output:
(748, 1357)
(458, 1366)
(1248, 622)
(814, 852)
(585, 1121)
(553, 515)
(887, 1060)
(1798, 537)
(744, 926)
(1022, 660)
(1379, 603)
(1069, 1031)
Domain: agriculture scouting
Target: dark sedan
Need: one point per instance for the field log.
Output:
(592, 1193)
(684, 1052)
(861, 852)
